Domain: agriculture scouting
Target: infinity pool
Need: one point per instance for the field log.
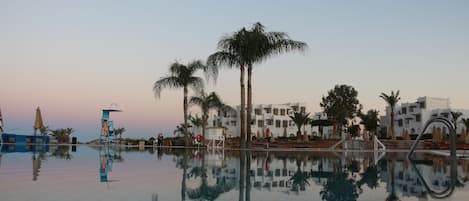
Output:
(106, 173)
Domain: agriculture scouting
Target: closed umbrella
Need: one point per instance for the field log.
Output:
(38, 124)
(1, 123)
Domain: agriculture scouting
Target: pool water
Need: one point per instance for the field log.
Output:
(109, 173)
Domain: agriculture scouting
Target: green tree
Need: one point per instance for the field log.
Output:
(341, 104)
(231, 53)
(183, 76)
(180, 129)
(245, 48)
(370, 121)
(119, 132)
(196, 121)
(206, 102)
(300, 119)
(354, 130)
(392, 100)
(262, 45)
(299, 179)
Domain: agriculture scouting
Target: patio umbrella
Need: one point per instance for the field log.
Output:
(38, 124)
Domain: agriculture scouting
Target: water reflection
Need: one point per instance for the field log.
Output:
(257, 175)
(338, 177)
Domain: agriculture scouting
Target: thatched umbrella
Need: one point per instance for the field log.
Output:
(284, 132)
(434, 134)
(38, 124)
(467, 137)
(258, 134)
(462, 137)
(305, 137)
(405, 134)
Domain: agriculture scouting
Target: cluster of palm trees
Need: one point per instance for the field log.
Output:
(242, 49)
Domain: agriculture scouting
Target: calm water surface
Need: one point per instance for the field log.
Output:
(96, 173)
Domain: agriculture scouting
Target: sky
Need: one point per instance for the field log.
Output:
(72, 58)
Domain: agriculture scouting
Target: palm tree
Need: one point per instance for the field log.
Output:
(232, 54)
(196, 121)
(180, 129)
(119, 132)
(206, 102)
(299, 179)
(391, 100)
(300, 119)
(183, 76)
(370, 121)
(245, 48)
(260, 46)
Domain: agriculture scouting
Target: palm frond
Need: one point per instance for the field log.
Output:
(171, 82)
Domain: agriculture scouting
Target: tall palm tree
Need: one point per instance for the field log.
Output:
(206, 102)
(232, 53)
(183, 76)
(300, 119)
(391, 100)
(260, 46)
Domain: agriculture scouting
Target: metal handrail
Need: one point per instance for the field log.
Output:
(444, 193)
(452, 133)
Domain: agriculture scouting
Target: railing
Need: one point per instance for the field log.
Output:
(452, 135)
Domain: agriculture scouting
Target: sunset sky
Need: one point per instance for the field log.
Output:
(73, 57)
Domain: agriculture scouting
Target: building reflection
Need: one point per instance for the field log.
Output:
(209, 174)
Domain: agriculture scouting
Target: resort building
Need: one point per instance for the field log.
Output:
(272, 117)
(413, 116)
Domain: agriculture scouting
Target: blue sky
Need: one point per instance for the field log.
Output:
(72, 57)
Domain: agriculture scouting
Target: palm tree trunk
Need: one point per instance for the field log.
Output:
(184, 176)
(248, 119)
(204, 124)
(242, 116)
(248, 177)
(393, 136)
(242, 176)
(186, 134)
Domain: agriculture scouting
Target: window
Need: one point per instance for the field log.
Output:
(399, 122)
(253, 122)
(295, 108)
(282, 112)
(422, 105)
(285, 123)
(291, 123)
(260, 123)
(418, 118)
(257, 111)
(275, 111)
(227, 123)
(270, 122)
(303, 109)
(404, 110)
(277, 123)
(268, 110)
(445, 115)
(233, 123)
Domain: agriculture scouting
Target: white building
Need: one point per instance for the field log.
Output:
(413, 116)
(274, 117)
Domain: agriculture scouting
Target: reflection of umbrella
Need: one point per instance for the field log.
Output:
(1, 123)
(38, 124)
